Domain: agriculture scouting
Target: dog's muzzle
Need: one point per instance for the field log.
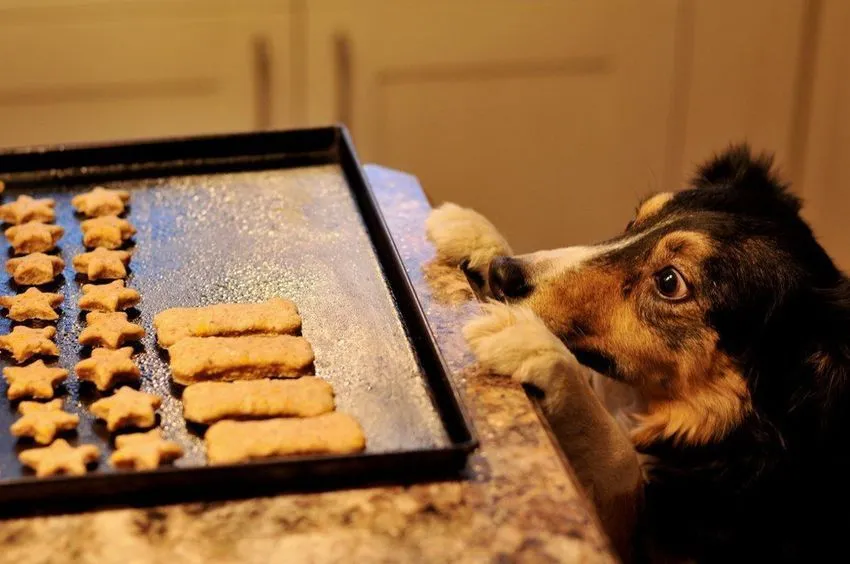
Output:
(507, 279)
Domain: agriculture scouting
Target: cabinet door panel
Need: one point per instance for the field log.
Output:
(125, 79)
(549, 117)
(826, 175)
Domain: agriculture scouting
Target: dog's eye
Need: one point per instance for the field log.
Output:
(670, 284)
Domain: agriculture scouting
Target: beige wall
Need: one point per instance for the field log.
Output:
(553, 117)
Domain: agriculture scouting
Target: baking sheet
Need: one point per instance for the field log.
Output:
(244, 237)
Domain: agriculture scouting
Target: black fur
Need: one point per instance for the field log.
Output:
(782, 310)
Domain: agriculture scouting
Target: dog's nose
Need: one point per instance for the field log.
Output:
(507, 278)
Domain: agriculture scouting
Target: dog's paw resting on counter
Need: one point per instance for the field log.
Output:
(512, 341)
(465, 243)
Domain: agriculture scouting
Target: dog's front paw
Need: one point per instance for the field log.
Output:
(464, 237)
(513, 341)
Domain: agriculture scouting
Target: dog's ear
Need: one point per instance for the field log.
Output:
(738, 169)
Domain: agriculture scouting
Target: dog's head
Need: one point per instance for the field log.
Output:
(680, 303)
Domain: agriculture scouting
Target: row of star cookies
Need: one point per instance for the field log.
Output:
(33, 234)
(108, 329)
(107, 326)
(42, 422)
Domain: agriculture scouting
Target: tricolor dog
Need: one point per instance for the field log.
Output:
(695, 367)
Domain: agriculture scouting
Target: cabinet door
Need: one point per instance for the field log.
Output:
(742, 78)
(130, 77)
(825, 171)
(550, 117)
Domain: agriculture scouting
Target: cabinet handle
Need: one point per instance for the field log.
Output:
(342, 59)
(262, 82)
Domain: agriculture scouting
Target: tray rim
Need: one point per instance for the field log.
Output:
(95, 161)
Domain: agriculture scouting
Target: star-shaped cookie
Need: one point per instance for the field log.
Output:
(144, 451)
(26, 342)
(34, 269)
(107, 231)
(101, 201)
(105, 367)
(36, 380)
(26, 209)
(127, 408)
(43, 421)
(102, 264)
(59, 458)
(108, 297)
(32, 304)
(109, 330)
(34, 237)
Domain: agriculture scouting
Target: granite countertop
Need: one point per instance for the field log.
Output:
(518, 502)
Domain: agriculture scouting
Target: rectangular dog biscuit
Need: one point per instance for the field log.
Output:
(208, 402)
(239, 441)
(251, 357)
(274, 316)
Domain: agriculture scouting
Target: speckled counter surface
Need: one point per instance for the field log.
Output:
(517, 504)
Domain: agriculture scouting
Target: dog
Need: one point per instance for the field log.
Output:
(694, 368)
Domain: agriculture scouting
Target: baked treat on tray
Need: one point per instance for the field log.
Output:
(109, 329)
(144, 451)
(100, 201)
(208, 402)
(59, 458)
(26, 208)
(102, 264)
(34, 269)
(106, 367)
(43, 421)
(108, 297)
(274, 316)
(127, 408)
(35, 380)
(34, 237)
(32, 304)
(250, 357)
(108, 231)
(240, 441)
(24, 343)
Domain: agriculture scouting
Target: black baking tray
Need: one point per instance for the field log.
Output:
(242, 217)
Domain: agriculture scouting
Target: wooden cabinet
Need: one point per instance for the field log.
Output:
(825, 175)
(740, 79)
(548, 116)
(554, 117)
(140, 70)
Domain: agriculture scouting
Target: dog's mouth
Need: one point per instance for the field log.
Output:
(596, 361)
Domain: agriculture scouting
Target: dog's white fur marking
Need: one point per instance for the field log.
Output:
(544, 265)
(462, 234)
(620, 400)
(514, 341)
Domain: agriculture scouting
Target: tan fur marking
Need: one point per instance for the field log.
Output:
(706, 412)
(652, 205)
(688, 246)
